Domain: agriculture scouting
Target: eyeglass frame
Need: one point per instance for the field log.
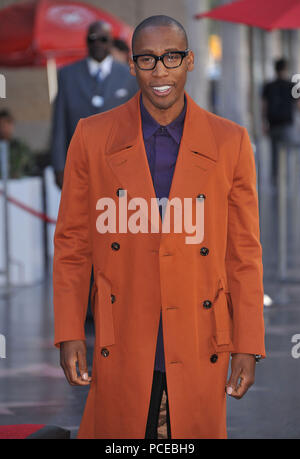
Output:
(183, 54)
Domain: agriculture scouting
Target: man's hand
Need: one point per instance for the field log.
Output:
(70, 353)
(243, 369)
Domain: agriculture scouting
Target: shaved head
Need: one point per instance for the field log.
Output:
(158, 21)
(99, 25)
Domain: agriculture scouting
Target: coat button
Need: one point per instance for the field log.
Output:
(105, 352)
(115, 246)
(207, 304)
(120, 192)
(204, 251)
(113, 298)
(213, 358)
(201, 196)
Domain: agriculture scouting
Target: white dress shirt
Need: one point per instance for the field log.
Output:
(105, 66)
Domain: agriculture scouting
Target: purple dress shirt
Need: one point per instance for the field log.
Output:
(162, 146)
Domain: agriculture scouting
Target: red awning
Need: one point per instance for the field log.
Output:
(266, 14)
(32, 32)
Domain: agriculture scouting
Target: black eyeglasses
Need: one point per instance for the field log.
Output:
(171, 59)
(93, 37)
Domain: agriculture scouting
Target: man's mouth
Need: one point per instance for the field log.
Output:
(162, 90)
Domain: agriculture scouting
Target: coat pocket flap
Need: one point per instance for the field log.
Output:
(105, 335)
(223, 285)
(223, 321)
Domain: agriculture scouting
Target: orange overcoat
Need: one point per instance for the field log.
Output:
(211, 292)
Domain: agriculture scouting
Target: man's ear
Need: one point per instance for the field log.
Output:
(190, 61)
(132, 67)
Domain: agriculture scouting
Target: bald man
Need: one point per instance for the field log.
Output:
(89, 86)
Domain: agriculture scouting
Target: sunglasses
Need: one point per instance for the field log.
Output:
(93, 37)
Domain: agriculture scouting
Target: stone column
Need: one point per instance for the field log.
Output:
(197, 30)
(234, 83)
(294, 51)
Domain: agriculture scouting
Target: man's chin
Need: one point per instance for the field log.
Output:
(98, 57)
(162, 103)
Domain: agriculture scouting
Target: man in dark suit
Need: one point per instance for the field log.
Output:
(278, 105)
(89, 86)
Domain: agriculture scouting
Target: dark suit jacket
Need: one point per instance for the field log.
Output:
(76, 89)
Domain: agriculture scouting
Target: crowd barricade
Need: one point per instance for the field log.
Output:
(26, 231)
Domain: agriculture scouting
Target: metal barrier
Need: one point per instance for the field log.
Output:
(287, 197)
(287, 187)
(4, 155)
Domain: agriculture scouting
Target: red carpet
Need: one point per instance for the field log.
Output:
(20, 431)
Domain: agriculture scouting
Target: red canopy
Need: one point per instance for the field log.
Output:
(32, 32)
(266, 14)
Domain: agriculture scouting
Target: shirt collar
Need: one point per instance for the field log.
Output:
(95, 66)
(150, 125)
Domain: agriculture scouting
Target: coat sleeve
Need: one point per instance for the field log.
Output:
(72, 261)
(244, 255)
(59, 135)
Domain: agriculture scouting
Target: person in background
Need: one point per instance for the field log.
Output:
(21, 157)
(278, 112)
(120, 50)
(92, 85)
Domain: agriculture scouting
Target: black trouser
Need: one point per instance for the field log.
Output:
(159, 385)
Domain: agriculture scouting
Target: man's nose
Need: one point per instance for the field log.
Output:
(160, 69)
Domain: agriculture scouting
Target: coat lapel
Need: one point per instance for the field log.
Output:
(87, 82)
(197, 156)
(127, 156)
